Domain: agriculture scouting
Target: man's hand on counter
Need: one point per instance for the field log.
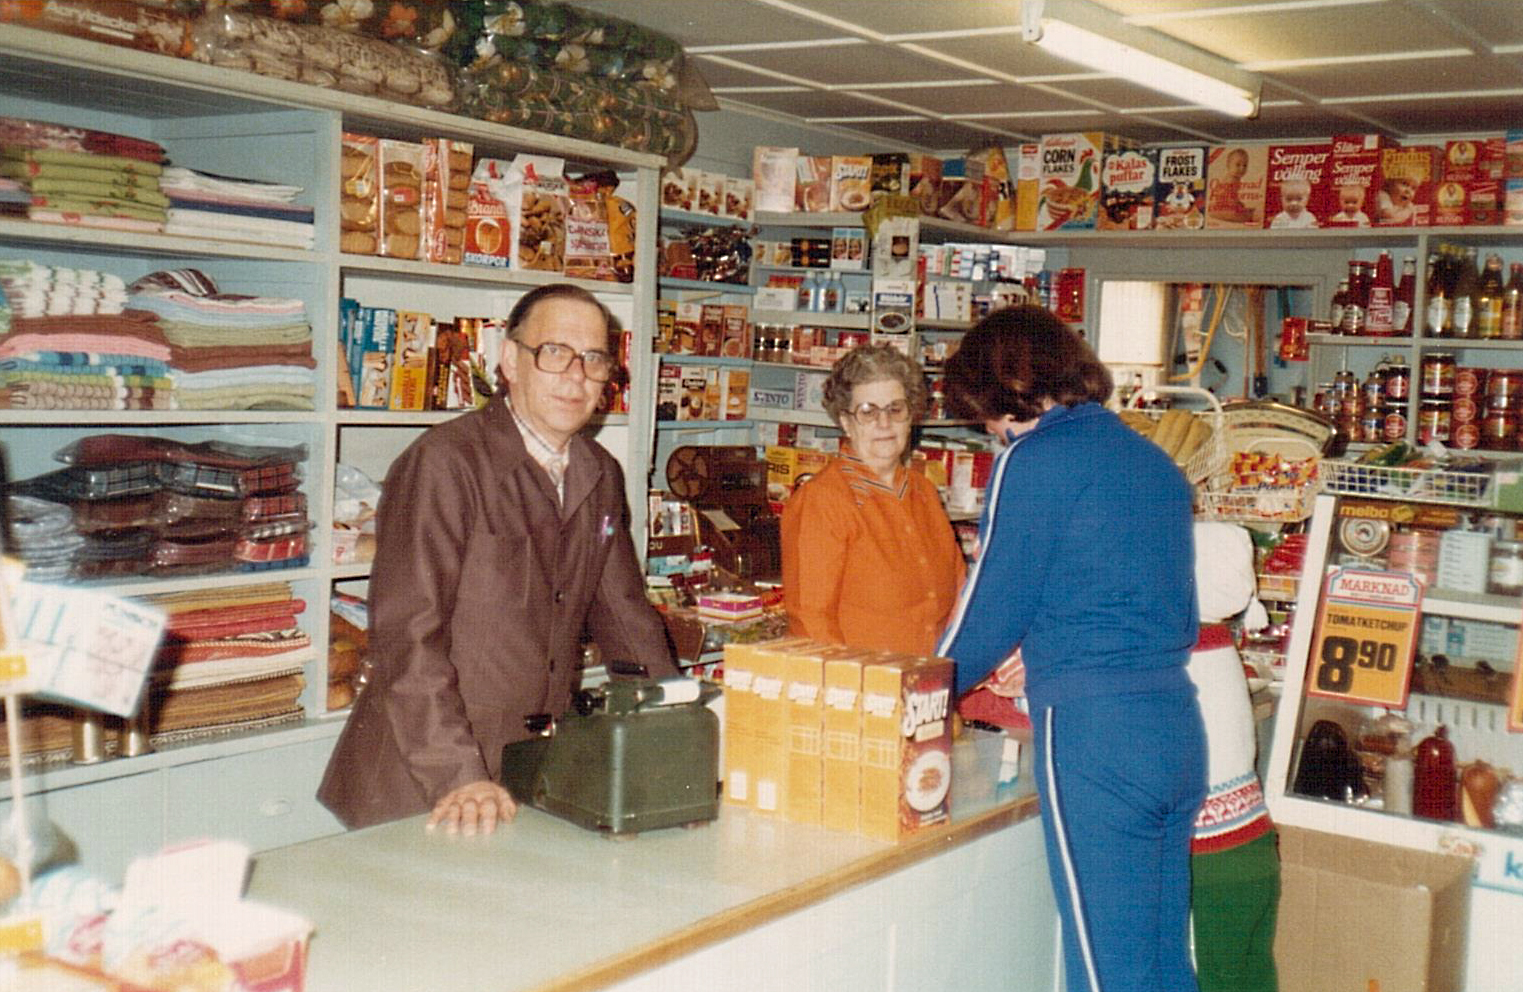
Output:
(476, 807)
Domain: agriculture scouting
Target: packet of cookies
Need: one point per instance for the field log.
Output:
(621, 234)
(487, 227)
(359, 203)
(446, 181)
(588, 255)
(401, 218)
(537, 198)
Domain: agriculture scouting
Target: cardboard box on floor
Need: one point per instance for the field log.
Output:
(1356, 915)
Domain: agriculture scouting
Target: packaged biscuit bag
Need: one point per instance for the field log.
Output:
(588, 251)
(488, 227)
(359, 204)
(446, 193)
(401, 219)
(538, 201)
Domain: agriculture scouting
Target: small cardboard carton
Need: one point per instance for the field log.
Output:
(774, 178)
(1411, 908)
(1235, 179)
(1179, 195)
(804, 692)
(1408, 175)
(1127, 181)
(1028, 182)
(1297, 194)
(1354, 179)
(841, 719)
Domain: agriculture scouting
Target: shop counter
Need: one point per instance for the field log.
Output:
(747, 902)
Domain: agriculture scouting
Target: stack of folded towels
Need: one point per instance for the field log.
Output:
(82, 177)
(207, 206)
(230, 352)
(70, 343)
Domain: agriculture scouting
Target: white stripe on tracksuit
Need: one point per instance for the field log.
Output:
(1060, 832)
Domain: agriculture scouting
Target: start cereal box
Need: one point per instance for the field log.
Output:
(1235, 176)
(1354, 180)
(1126, 190)
(906, 745)
(1407, 175)
(1296, 195)
(1179, 195)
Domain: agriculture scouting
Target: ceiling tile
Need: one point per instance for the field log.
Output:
(819, 103)
(938, 136)
(1294, 34)
(994, 98)
(725, 22)
(1497, 23)
(897, 17)
(1417, 76)
(845, 64)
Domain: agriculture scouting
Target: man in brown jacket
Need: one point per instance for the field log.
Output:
(501, 536)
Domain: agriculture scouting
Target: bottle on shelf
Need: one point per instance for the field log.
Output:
(1406, 296)
(1357, 299)
(832, 299)
(1380, 299)
(1434, 782)
(1512, 304)
(1340, 300)
(807, 285)
(1467, 281)
(1438, 318)
(1488, 299)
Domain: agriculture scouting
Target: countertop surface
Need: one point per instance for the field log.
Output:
(542, 904)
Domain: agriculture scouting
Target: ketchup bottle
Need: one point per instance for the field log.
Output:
(1434, 782)
(1381, 298)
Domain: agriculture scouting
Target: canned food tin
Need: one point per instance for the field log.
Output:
(1465, 410)
(1466, 435)
(1469, 381)
(1375, 390)
(1433, 421)
(1398, 380)
(1371, 426)
(1414, 551)
(1437, 381)
(1395, 423)
(1504, 387)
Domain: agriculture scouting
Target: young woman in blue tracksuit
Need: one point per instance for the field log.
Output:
(1086, 564)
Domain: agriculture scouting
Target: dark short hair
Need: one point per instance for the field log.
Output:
(519, 315)
(1017, 358)
(873, 363)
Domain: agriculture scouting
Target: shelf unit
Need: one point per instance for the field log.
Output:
(234, 123)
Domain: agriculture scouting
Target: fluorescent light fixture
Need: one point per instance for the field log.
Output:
(1093, 36)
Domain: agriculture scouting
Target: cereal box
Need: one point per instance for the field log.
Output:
(841, 742)
(1069, 196)
(1470, 184)
(1512, 154)
(1296, 196)
(668, 391)
(1127, 179)
(734, 392)
(1354, 179)
(738, 194)
(1028, 181)
(1235, 176)
(694, 392)
(1408, 174)
(925, 182)
(739, 724)
(687, 328)
(679, 189)
(774, 176)
(906, 745)
(409, 366)
(1179, 189)
(736, 340)
(812, 191)
(965, 196)
(804, 699)
(710, 328)
(850, 182)
(1512, 202)
(890, 174)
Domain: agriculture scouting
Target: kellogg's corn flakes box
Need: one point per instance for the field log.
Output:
(1069, 194)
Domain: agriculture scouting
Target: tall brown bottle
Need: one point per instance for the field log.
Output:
(1466, 282)
(1358, 297)
(1434, 783)
(1512, 304)
(1488, 299)
(1438, 317)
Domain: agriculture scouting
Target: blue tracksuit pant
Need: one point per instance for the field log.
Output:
(1121, 779)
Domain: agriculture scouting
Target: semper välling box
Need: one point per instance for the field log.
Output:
(1359, 915)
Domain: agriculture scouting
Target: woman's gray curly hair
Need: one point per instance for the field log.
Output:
(873, 363)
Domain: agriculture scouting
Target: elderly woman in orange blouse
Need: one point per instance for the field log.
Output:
(869, 558)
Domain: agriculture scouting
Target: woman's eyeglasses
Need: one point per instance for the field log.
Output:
(867, 414)
(552, 357)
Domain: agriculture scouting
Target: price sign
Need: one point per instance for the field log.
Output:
(1366, 637)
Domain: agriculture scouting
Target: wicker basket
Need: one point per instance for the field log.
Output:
(1262, 428)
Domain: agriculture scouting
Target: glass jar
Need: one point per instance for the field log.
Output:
(1505, 577)
(1437, 381)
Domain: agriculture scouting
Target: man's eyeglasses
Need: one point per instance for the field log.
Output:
(867, 414)
(551, 356)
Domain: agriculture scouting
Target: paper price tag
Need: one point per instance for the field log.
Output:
(1366, 637)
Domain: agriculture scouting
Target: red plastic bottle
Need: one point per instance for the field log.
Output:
(1434, 783)
(1406, 296)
